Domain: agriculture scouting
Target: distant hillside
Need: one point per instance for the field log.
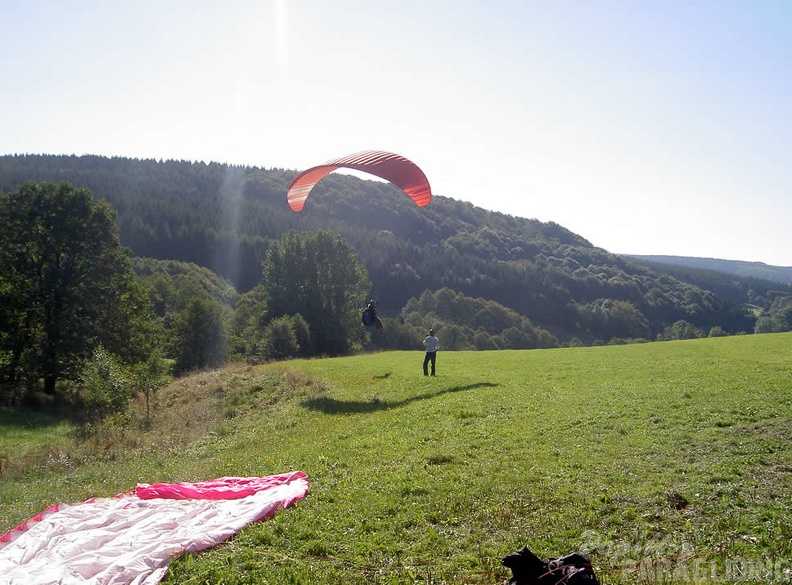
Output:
(758, 270)
(223, 217)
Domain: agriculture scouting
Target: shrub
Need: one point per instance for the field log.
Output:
(105, 388)
(285, 337)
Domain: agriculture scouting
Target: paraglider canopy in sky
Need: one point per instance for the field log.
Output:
(389, 166)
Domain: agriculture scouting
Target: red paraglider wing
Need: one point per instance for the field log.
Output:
(392, 167)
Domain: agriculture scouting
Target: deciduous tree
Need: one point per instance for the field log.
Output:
(319, 276)
(66, 285)
(200, 336)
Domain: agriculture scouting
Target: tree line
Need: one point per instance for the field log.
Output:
(88, 325)
(84, 323)
(225, 218)
(83, 320)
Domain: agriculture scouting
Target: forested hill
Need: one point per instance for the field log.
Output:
(756, 270)
(224, 217)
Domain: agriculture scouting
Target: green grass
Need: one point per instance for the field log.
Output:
(29, 439)
(667, 462)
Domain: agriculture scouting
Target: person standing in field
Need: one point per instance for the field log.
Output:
(431, 343)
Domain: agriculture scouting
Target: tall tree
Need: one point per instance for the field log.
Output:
(66, 284)
(200, 336)
(319, 276)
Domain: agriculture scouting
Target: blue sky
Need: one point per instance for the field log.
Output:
(646, 126)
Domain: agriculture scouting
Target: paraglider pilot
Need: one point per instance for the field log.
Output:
(370, 318)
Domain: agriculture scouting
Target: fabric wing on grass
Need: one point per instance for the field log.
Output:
(130, 538)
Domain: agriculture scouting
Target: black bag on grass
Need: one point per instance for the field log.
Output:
(528, 569)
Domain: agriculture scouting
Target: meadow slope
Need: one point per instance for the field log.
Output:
(667, 462)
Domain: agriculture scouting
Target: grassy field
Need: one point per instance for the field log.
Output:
(666, 462)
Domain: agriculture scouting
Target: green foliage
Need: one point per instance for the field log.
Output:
(200, 336)
(716, 331)
(148, 377)
(67, 286)
(681, 330)
(172, 288)
(105, 388)
(396, 334)
(173, 284)
(284, 337)
(247, 326)
(318, 276)
(225, 217)
(777, 318)
(473, 323)
(606, 318)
